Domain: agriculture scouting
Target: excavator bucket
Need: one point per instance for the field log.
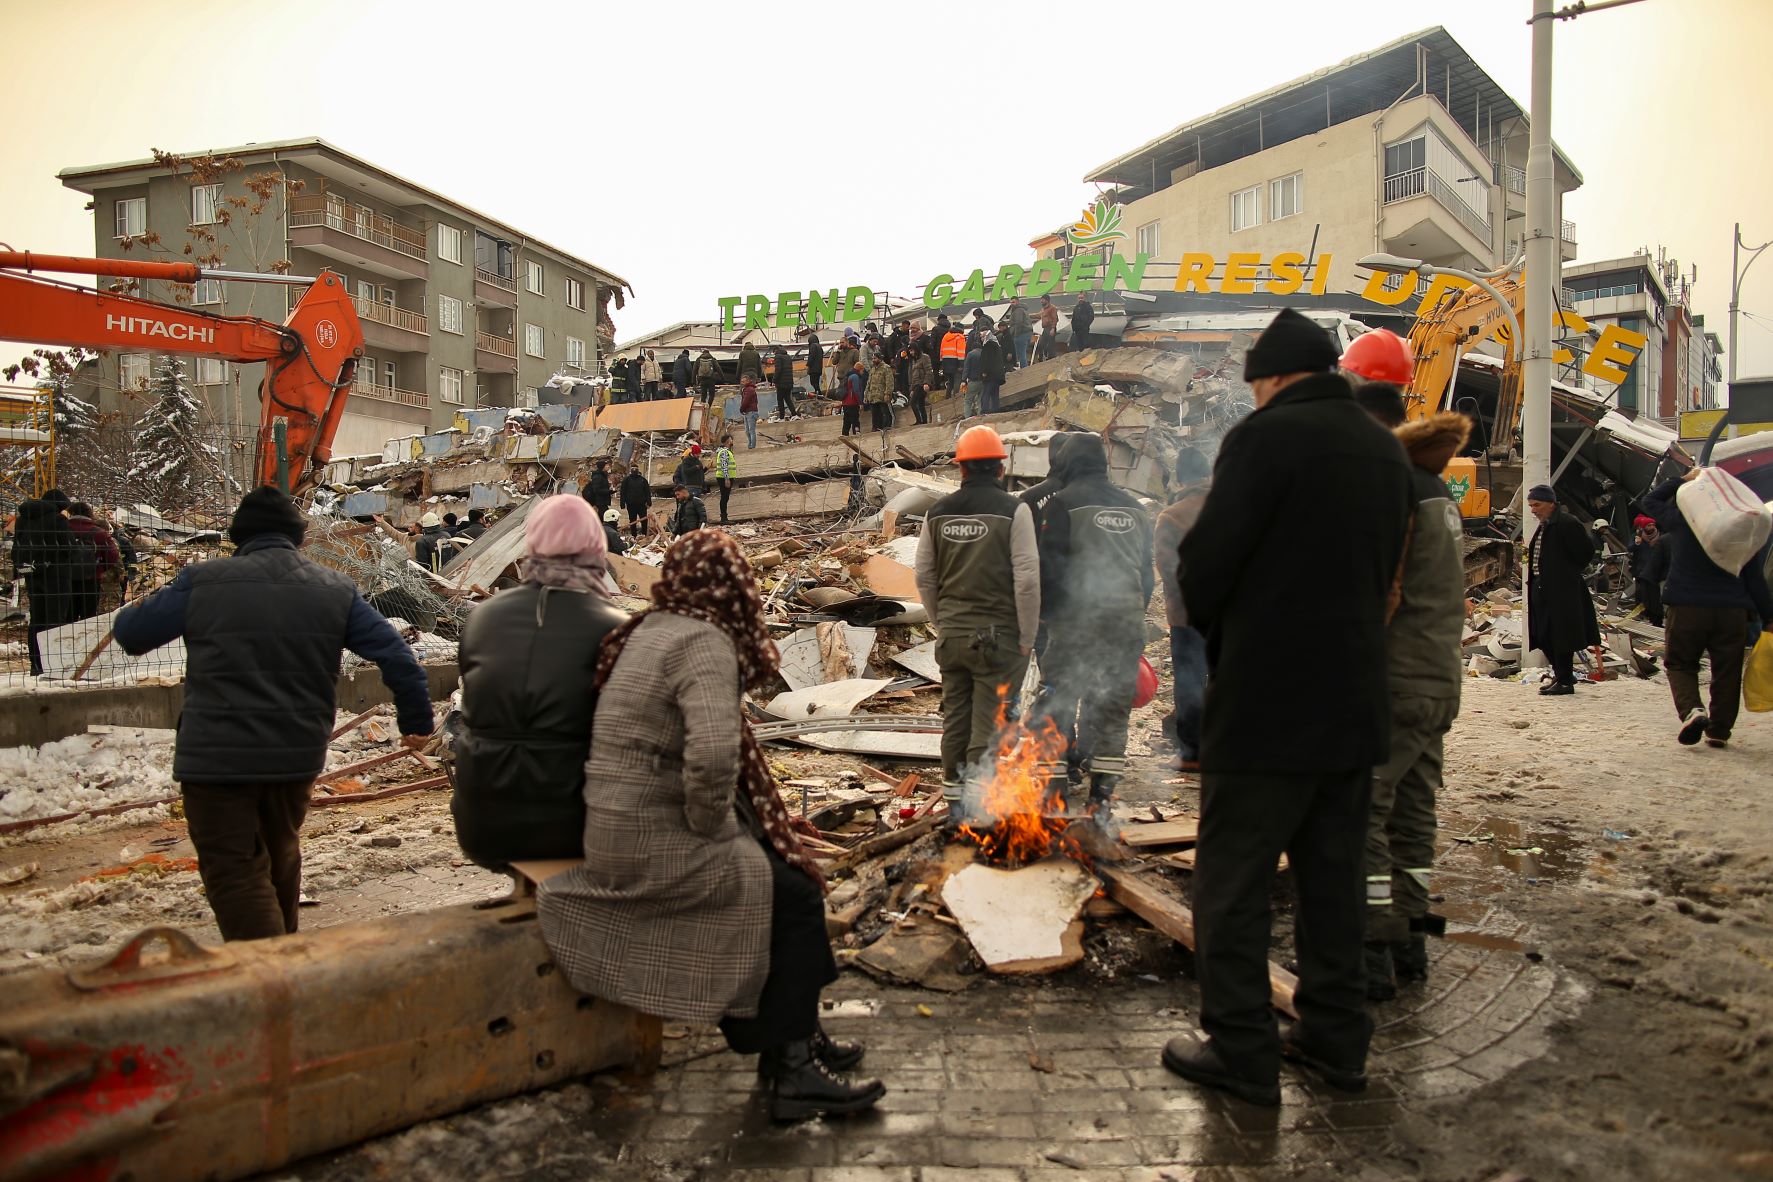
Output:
(308, 386)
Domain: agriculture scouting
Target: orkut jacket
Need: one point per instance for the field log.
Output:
(1095, 542)
(978, 564)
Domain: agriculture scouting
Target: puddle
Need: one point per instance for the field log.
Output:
(1546, 856)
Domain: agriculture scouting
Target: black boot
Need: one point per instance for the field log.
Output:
(838, 1056)
(1381, 983)
(802, 1087)
(1410, 955)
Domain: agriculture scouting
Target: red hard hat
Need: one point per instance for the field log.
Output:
(1145, 684)
(979, 443)
(1380, 356)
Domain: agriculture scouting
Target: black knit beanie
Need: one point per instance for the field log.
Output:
(265, 510)
(1290, 344)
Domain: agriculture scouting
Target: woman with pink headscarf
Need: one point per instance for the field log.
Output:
(528, 658)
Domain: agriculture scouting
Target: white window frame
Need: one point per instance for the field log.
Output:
(535, 341)
(202, 196)
(122, 219)
(137, 362)
(449, 244)
(575, 294)
(207, 292)
(211, 371)
(391, 374)
(1254, 193)
(449, 314)
(1148, 238)
(1274, 188)
(366, 291)
(531, 397)
(575, 351)
(534, 277)
(449, 385)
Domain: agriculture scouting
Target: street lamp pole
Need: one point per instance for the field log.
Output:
(1542, 273)
(1737, 245)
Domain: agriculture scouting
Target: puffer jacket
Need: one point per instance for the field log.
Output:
(528, 658)
(1423, 639)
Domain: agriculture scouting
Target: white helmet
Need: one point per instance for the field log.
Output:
(611, 515)
(430, 521)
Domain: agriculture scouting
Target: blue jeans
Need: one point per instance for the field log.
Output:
(1022, 341)
(751, 429)
(1188, 661)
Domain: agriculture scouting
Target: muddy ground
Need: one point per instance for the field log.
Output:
(1639, 871)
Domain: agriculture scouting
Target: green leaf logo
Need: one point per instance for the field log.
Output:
(1100, 223)
(1459, 487)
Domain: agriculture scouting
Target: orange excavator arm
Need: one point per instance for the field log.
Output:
(309, 359)
(1443, 333)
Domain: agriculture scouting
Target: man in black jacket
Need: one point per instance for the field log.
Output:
(690, 512)
(476, 526)
(1288, 747)
(682, 373)
(1096, 580)
(263, 632)
(1708, 611)
(1082, 316)
(637, 498)
(1560, 611)
(597, 490)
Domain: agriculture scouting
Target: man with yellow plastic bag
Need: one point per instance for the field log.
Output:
(1710, 606)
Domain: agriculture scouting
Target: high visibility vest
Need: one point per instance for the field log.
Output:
(954, 346)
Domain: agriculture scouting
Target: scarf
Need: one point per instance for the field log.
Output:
(706, 577)
(563, 574)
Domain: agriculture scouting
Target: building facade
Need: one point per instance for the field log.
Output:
(1681, 365)
(1411, 149)
(459, 310)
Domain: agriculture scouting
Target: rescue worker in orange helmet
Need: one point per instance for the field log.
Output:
(978, 574)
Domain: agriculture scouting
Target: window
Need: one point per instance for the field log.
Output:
(449, 244)
(1147, 238)
(211, 371)
(449, 386)
(1246, 208)
(366, 291)
(205, 200)
(390, 373)
(1285, 196)
(449, 314)
(535, 277)
(532, 340)
(531, 397)
(132, 217)
(132, 371)
(575, 351)
(207, 291)
(575, 294)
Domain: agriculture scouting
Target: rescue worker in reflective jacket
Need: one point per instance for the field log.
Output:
(1096, 578)
(1424, 672)
(978, 574)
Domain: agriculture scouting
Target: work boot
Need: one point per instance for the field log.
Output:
(1295, 1048)
(838, 1056)
(1409, 956)
(1196, 1059)
(802, 1087)
(1381, 983)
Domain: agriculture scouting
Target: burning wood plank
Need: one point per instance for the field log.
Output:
(1161, 833)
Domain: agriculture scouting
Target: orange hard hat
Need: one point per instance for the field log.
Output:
(979, 443)
(1380, 356)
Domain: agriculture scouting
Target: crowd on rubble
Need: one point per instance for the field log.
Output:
(622, 741)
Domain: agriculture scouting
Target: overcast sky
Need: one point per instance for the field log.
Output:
(709, 150)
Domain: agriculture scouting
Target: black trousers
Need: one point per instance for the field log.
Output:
(249, 854)
(707, 388)
(1720, 633)
(726, 493)
(801, 965)
(1319, 821)
(852, 420)
(1649, 593)
(784, 401)
(920, 405)
(1563, 667)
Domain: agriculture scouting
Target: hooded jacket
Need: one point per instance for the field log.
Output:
(707, 369)
(1095, 544)
(1036, 498)
(637, 491)
(682, 369)
(1694, 580)
(1423, 639)
(750, 362)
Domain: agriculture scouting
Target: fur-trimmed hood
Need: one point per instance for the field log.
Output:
(1433, 441)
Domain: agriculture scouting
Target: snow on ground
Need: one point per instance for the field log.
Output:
(85, 772)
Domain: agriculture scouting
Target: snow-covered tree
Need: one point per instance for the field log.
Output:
(169, 463)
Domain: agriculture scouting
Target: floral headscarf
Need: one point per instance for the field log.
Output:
(706, 577)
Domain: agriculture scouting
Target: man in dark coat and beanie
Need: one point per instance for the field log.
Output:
(264, 630)
(597, 489)
(1288, 748)
(1560, 611)
(637, 498)
(49, 557)
(683, 372)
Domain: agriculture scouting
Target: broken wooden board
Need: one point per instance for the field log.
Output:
(1019, 916)
(1184, 860)
(833, 698)
(802, 664)
(494, 552)
(889, 577)
(1160, 833)
(1167, 914)
(633, 578)
(669, 414)
(921, 660)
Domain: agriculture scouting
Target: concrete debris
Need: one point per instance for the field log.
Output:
(1018, 918)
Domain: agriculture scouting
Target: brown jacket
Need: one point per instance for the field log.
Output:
(670, 913)
(1173, 525)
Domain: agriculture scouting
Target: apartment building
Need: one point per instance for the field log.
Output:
(1681, 367)
(1411, 149)
(459, 310)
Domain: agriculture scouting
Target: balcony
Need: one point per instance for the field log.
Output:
(356, 235)
(490, 287)
(494, 353)
(1413, 183)
(499, 345)
(1511, 178)
(393, 329)
(365, 387)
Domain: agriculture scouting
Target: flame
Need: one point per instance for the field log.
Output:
(1020, 802)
